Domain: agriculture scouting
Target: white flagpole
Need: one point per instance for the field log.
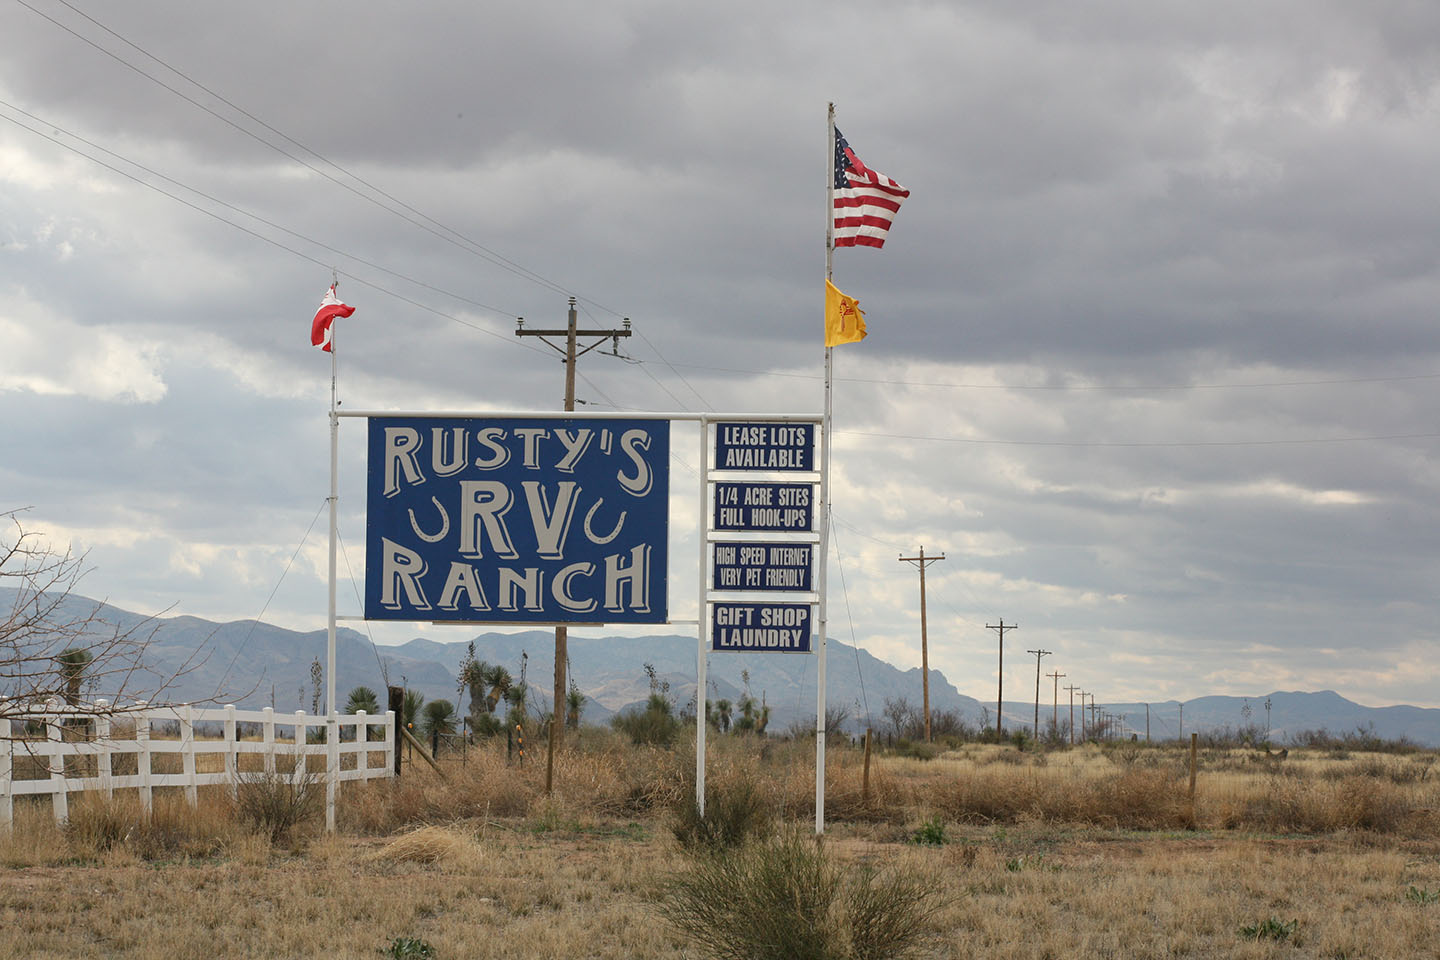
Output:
(824, 545)
(332, 738)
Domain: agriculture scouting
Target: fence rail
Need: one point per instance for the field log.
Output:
(59, 750)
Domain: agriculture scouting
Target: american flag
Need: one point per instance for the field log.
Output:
(865, 201)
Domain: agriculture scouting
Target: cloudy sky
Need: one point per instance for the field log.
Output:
(1152, 354)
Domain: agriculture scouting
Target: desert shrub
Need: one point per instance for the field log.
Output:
(172, 828)
(930, 833)
(281, 802)
(425, 845)
(655, 725)
(1136, 797)
(1271, 928)
(736, 810)
(409, 948)
(1354, 803)
(788, 898)
(918, 749)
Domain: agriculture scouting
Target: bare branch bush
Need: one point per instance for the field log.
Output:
(51, 638)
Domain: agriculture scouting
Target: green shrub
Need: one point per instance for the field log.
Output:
(1421, 895)
(931, 833)
(409, 948)
(654, 726)
(1272, 928)
(787, 898)
(736, 810)
(918, 749)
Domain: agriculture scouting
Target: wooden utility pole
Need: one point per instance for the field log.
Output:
(922, 562)
(1000, 696)
(1181, 734)
(1035, 731)
(568, 351)
(1055, 703)
(1072, 688)
(1147, 723)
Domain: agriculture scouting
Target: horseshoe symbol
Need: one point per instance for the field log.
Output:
(613, 533)
(444, 524)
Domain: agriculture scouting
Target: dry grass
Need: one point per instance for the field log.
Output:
(1073, 853)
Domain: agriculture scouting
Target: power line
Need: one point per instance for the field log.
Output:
(462, 242)
(230, 206)
(262, 237)
(1064, 387)
(240, 648)
(979, 441)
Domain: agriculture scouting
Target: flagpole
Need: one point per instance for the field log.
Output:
(332, 739)
(824, 545)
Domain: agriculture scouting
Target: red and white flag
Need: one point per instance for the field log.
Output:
(330, 308)
(865, 201)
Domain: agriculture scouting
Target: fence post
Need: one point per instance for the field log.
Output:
(302, 736)
(332, 770)
(142, 756)
(103, 746)
(392, 752)
(7, 785)
(1194, 743)
(865, 782)
(187, 755)
(362, 755)
(268, 735)
(59, 798)
(232, 755)
(397, 709)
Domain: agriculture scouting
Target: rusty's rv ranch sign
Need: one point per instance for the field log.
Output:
(517, 520)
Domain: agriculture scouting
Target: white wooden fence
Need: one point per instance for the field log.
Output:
(35, 745)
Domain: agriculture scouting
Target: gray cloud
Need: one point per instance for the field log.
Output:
(1111, 196)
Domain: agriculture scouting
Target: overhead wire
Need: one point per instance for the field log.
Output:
(849, 616)
(1059, 388)
(270, 240)
(472, 245)
(240, 648)
(240, 210)
(384, 671)
(456, 238)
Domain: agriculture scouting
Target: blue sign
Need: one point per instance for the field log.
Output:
(760, 627)
(761, 566)
(765, 446)
(784, 507)
(501, 520)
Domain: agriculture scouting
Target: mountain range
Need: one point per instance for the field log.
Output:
(254, 664)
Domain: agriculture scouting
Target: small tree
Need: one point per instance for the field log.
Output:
(439, 717)
(723, 710)
(72, 669)
(317, 678)
(498, 679)
(362, 698)
(52, 639)
(574, 704)
(410, 712)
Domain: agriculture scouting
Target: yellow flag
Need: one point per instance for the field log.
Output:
(844, 320)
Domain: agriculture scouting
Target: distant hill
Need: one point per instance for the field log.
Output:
(254, 664)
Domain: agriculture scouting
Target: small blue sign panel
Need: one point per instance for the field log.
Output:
(784, 507)
(762, 566)
(511, 520)
(765, 446)
(760, 627)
